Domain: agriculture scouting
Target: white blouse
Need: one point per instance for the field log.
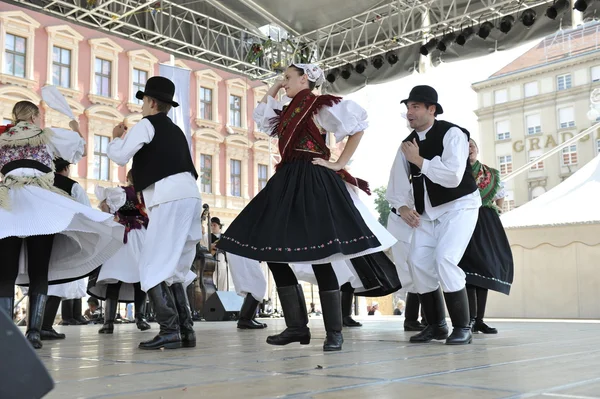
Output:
(501, 193)
(343, 119)
(115, 197)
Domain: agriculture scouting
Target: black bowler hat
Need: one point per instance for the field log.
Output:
(424, 94)
(216, 220)
(159, 88)
(61, 164)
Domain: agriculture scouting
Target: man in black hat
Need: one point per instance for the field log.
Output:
(442, 208)
(165, 174)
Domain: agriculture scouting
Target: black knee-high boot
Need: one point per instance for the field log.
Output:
(433, 306)
(458, 308)
(48, 332)
(77, 312)
(332, 318)
(166, 316)
(140, 308)
(293, 305)
(411, 313)
(347, 297)
(479, 325)
(247, 314)
(67, 316)
(35, 317)
(472, 295)
(184, 312)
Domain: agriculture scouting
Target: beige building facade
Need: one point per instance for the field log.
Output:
(536, 102)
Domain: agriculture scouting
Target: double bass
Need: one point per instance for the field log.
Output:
(205, 265)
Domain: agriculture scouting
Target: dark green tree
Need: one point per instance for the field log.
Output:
(382, 206)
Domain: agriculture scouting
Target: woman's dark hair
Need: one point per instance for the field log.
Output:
(60, 165)
(311, 85)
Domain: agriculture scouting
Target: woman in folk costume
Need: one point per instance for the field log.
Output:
(118, 279)
(305, 213)
(488, 261)
(62, 240)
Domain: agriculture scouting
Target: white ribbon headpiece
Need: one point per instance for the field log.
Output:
(314, 73)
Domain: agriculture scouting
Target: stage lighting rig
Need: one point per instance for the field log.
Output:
(391, 57)
(485, 29)
(360, 66)
(557, 8)
(528, 17)
(377, 61)
(332, 75)
(506, 23)
(465, 36)
(429, 46)
(446, 41)
(346, 71)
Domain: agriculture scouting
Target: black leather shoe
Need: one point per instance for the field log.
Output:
(52, 334)
(413, 326)
(166, 316)
(140, 309)
(347, 320)
(247, 314)
(458, 308)
(167, 341)
(244, 324)
(293, 305)
(332, 317)
(480, 326)
(110, 312)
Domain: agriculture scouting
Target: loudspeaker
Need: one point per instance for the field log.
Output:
(223, 306)
(22, 373)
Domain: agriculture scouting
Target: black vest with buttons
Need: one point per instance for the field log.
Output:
(433, 146)
(166, 155)
(64, 183)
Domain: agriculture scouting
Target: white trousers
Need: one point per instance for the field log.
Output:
(222, 274)
(248, 277)
(403, 233)
(170, 246)
(437, 248)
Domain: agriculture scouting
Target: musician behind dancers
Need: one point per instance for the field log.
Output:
(221, 275)
(164, 172)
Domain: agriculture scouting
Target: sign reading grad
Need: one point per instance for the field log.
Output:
(547, 141)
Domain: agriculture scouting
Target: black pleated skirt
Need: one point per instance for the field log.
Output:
(488, 261)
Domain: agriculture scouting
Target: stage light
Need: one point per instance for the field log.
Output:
(428, 47)
(557, 8)
(446, 42)
(332, 75)
(580, 5)
(485, 29)
(377, 61)
(465, 36)
(528, 17)
(346, 71)
(360, 66)
(391, 57)
(506, 23)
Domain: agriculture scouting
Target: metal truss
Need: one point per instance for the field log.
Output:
(173, 28)
(402, 23)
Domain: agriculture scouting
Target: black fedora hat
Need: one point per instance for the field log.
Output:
(159, 88)
(424, 94)
(61, 164)
(216, 220)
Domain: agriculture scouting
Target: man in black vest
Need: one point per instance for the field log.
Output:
(164, 172)
(446, 202)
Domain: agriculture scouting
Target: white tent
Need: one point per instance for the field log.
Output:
(555, 240)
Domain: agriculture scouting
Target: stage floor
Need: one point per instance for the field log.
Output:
(525, 360)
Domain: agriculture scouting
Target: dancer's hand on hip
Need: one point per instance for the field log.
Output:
(410, 216)
(329, 165)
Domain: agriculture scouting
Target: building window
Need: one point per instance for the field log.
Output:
(500, 96)
(235, 111)
(598, 146)
(563, 82)
(9, 122)
(502, 130)
(263, 176)
(102, 74)
(569, 155)
(505, 164)
(533, 155)
(595, 73)
(15, 54)
(139, 82)
(61, 67)
(206, 103)
(101, 162)
(206, 173)
(531, 89)
(566, 117)
(534, 124)
(236, 177)
(508, 206)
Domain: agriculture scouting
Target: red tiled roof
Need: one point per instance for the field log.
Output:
(561, 45)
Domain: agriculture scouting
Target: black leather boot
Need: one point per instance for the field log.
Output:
(110, 312)
(47, 332)
(66, 313)
(186, 324)
(166, 316)
(7, 304)
(77, 312)
(247, 314)
(433, 306)
(411, 313)
(458, 308)
(472, 296)
(332, 317)
(140, 309)
(293, 305)
(477, 322)
(347, 319)
(35, 317)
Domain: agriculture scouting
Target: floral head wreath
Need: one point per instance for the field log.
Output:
(314, 73)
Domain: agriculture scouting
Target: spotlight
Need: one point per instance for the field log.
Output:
(558, 7)
(360, 66)
(528, 17)
(428, 47)
(506, 23)
(346, 71)
(464, 36)
(485, 29)
(391, 57)
(377, 61)
(331, 76)
(581, 5)
(446, 42)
